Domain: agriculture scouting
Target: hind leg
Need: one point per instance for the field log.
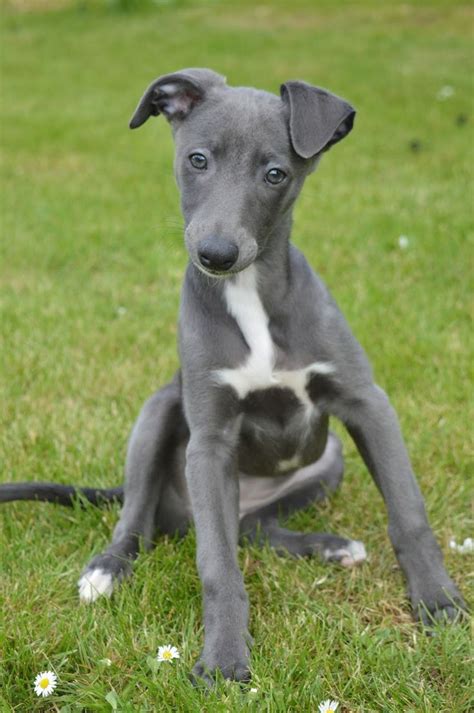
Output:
(150, 466)
(310, 484)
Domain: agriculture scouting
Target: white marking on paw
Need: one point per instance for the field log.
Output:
(353, 554)
(94, 583)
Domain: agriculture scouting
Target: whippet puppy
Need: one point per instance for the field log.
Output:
(241, 434)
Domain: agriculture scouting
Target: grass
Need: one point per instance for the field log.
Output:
(92, 261)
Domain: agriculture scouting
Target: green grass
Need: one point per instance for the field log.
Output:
(92, 262)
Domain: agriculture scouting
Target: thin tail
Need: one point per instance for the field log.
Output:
(59, 494)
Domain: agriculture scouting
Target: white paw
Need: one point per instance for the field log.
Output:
(349, 556)
(95, 583)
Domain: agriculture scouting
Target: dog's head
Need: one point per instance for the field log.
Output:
(241, 158)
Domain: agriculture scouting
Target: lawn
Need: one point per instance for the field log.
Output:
(92, 259)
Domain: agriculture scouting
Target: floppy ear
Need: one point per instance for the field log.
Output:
(318, 119)
(175, 95)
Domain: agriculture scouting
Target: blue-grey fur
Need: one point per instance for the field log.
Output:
(195, 439)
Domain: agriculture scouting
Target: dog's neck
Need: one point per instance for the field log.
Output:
(273, 263)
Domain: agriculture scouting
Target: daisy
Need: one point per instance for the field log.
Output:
(466, 547)
(445, 92)
(167, 653)
(328, 706)
(45, 683)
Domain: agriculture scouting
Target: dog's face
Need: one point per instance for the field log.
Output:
(238, 176)
(241, 158)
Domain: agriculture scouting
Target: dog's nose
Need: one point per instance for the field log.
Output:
(217, 254)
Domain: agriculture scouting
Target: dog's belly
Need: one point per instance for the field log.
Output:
(279, 433)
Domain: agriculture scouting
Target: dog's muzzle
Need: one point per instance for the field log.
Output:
(217, 255)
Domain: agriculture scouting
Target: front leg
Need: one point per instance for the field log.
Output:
(373, 424)
(213, 484)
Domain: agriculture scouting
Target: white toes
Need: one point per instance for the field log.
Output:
(349, 556)
(95, 583)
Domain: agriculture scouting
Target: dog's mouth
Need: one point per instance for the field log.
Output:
(217, 274)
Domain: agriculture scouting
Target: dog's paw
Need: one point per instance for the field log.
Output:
(95, 583)
(101, 576)
(350, 554)
(203, 673)
(229, 661)
(444, 606)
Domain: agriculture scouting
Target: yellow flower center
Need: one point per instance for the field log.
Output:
(167, 655)
(44, 683)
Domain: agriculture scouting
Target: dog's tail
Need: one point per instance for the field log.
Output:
(59, 494)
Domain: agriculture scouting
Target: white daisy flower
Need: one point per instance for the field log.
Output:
(466, 547)
(445, 92)
(403, 242)
(328, 706)
(45, 683)
(167, 653)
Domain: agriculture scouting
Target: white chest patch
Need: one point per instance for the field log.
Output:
(258, 371)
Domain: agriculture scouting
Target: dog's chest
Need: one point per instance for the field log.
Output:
(260, 370)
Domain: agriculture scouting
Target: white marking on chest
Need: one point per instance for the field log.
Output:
(258, 371)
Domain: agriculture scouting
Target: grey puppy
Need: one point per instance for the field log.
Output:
(240, 436)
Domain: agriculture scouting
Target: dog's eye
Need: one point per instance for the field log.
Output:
(274, 176)
(198, 161)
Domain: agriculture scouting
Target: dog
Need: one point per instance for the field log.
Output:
(240, 436)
